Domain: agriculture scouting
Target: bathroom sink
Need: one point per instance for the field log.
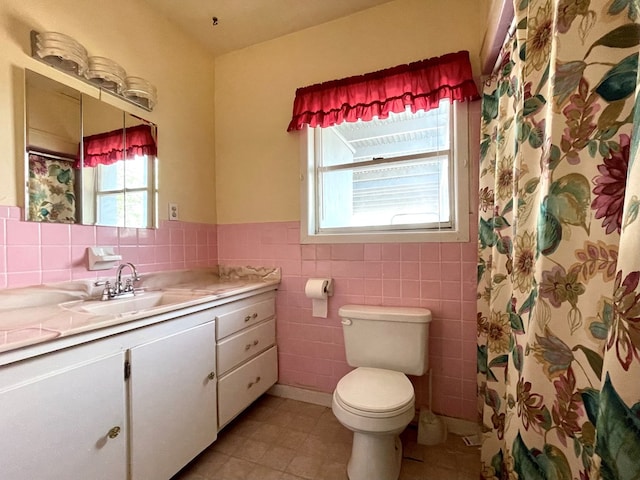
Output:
(139, 302)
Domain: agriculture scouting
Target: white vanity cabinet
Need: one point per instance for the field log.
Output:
(172, 397)
(138, 405)
(247, 353)
(138, 400)
(63, 416)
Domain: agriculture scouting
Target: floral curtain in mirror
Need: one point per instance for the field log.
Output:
(51, 189)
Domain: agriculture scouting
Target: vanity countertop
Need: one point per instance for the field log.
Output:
(33, 316)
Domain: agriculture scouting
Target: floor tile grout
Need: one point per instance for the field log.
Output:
(284, 439)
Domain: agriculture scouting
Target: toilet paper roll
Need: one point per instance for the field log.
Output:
(318, 290)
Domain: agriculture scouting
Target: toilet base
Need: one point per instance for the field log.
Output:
(375, 457)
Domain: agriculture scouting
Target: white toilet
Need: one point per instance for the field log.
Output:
(376, 400)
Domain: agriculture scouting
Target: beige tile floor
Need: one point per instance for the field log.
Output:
(283, 439)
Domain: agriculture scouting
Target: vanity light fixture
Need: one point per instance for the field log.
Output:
(140, 91)
(60, 51)
(66, 54)
(106, 74)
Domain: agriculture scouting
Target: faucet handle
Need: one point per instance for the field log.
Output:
(108, 292)
(128, 284)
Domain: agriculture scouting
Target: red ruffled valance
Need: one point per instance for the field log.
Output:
(419, 85)
(109, 147)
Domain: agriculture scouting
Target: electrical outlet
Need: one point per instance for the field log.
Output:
(173, 211)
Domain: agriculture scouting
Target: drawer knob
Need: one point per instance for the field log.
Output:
(249, 345)
(211, 376)
(251, 384)
(253, 316)
(113, 433)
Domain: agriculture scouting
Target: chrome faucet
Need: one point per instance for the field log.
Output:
(119, 290)
(127, 289)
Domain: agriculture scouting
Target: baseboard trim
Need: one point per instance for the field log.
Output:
(461, 427)
(301, 394)
(456, 426)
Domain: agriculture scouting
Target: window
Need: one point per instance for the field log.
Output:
(401, 179)
(119, 175)
(124, 191)
(385, 154)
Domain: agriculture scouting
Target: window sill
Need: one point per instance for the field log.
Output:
(405, 237)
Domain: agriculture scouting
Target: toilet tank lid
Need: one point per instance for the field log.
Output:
(388, 314)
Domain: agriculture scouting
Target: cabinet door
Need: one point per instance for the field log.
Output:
(172, 401)
(66, 424)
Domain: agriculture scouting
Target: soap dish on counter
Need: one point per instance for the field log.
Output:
(106, 74)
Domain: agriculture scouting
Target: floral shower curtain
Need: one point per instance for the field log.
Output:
(559, 246)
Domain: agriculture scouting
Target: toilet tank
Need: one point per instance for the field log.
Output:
(394, 338)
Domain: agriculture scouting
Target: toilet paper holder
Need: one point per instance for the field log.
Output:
(328, 287)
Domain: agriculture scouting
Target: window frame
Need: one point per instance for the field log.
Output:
(460, 209)
(151, 190)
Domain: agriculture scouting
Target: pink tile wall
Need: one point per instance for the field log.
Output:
(34, 253)
(441, 277)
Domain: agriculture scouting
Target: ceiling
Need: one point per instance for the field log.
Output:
(242, 23)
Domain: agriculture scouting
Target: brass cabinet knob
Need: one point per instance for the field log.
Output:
(253, 316)
(211, 376)
(113, 433)
(251, 384)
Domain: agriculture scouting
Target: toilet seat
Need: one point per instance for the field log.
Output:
(375, 392)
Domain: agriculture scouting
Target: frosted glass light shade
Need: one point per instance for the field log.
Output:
(61, 51)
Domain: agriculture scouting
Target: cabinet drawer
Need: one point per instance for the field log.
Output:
(237, 348)
(244, 313)
(239, 388)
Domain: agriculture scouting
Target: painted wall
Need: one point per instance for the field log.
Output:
(146, 45)
(257, 161)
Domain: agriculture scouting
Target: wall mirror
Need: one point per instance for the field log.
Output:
(87, 162)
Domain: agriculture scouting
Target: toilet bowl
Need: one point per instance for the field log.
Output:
(376, 401)
(377, 405)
